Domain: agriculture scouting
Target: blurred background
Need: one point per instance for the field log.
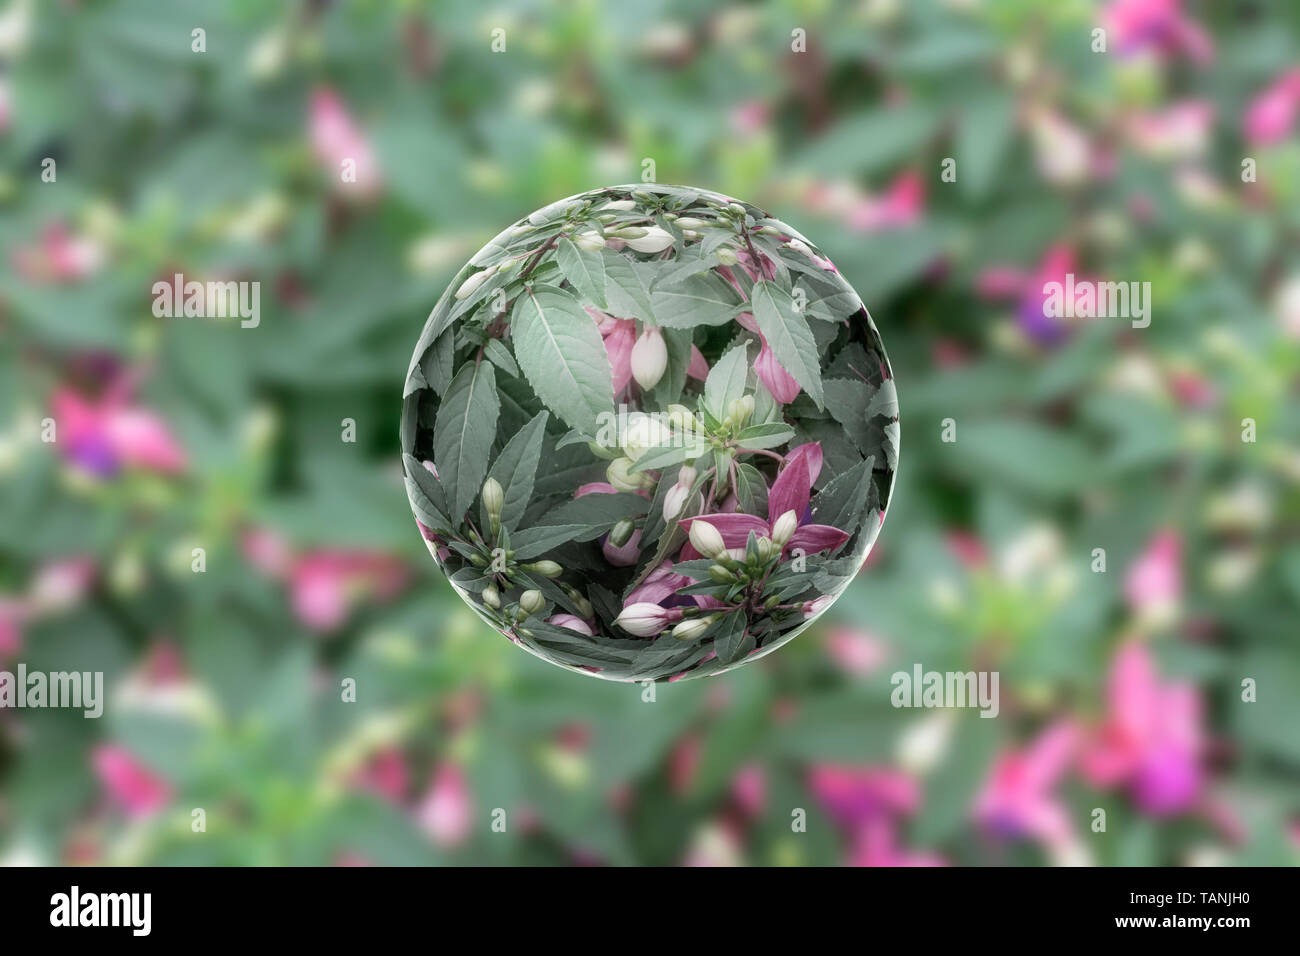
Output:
(1171, 157)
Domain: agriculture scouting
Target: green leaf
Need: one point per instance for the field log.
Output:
(885, 401)
(751, 489)
(499, 354)
(847, 399)
(665, 455)
(463, 434)
(789, 336)
(596, 513)
(534, 542)
(695, 300)
(733, 640)
(627, 288)
(765, 436)
(726, 380)
(984, 132)
(843, 501)
(584, 268)
(516, 469)
(562, 355)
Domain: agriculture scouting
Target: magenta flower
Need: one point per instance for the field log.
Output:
(105, 435)
(1271, 115)
(325, 584)
(572, 622)
(1135, 26)
(1151, 740)
(1019, 799)
(901, 204)
(791, 491)
(867, 802)
(59, 257)
(133, 786)
(619, 336)
(384, 775)
(11, 634)
(660, 585)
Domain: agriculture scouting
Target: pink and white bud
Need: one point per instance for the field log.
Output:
(649, 357)
(647, 620)
(675, 500)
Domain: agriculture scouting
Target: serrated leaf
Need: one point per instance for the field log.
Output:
(584, 268)
(751, 489)
(789, 336)
(726, 380)
(534, 542)
(885, 401)
(561, 353)
(845, 498)
(695, 300)
(463, 434)
(767, 435)
(516, 469)
(627, 288)
(847, 399)
(733, 641)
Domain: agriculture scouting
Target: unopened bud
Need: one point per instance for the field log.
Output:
(494, 497)
(721, 575)
(618, 475)
(649, 357)
(706, 539)
(547, 569)
(468, 287)
(592, 241)
(675, 500)
(492, 597)
(727, 256)
(530, 602)
(692, 629)
(784, 527)
(621, 532)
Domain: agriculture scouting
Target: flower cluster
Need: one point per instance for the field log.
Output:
(649, 431)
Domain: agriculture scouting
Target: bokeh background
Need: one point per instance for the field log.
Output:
(1121, 689)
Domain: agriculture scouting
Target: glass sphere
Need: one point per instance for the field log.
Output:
(649, 433)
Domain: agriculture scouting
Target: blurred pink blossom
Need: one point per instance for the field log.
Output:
(1136, 26)
(1154, 582)
(1151, 740)
(336, 139)
(901, 204)
(1179, 131)
(385, 774)
(104, 435)
(1018, 799)
(750, 117)
(749, 788)
(326, 583)
(11, 635)
(1271, 114)
(867, 802)
(138, 790)
(855, 651)
(444, 813)
(61, 584)
(58, 256)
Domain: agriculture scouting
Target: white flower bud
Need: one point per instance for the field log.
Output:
(617, 474)
(707, 539)
(687, 222)
(619, 205)
(591, 240)
(468, 287)
(493, 497)
(675, 500)
(643, 432)
(654, 240)
(649, 357)
(692, 629)
(784, 527)
(530, 602)
(727, 256)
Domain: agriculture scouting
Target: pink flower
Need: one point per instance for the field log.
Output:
(901, 204)
(385, 775)
(1151, 740)
(659, 585)
(856, 652)
(325, 584)
(1154, 582)
(1134, 26)
(1271, 115)
(867, 803)
(572, 622)
(105, 435)
(619, 336)
(749, 789)
(59, 257)
(772, 374)
(1018, 799)
(61, 584)
(1182, 130)
(1008, 282)
(791, 491)
(336, 140)
(699, 367)
(138, 790)
(622, 556)
(444, 814)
